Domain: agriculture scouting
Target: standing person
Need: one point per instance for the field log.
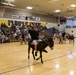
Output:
(34, 37)
(63, 35)
(22, 37)
(71, 37)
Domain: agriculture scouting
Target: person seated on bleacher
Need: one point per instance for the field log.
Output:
(6, 39)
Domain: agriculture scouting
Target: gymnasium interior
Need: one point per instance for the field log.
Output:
(53, 19)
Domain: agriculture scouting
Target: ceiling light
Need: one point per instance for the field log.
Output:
(52, 0)
(57, 11)
(4, 3)
(73, 5)
(29, 7)
(8, 4)
(10, 0)
(12, 5)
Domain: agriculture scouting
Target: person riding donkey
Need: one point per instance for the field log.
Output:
(34, 37)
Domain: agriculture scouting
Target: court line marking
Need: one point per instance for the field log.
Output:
(70, 52)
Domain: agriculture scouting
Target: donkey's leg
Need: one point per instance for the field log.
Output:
(41, 57)
(69, 41)
(73, 42)
(38, 57)
(29, 52)
(33, 54)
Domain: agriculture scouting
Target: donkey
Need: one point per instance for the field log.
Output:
(47, 41)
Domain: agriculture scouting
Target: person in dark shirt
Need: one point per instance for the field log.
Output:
(63, 35)
(22, 37)
(34, 37)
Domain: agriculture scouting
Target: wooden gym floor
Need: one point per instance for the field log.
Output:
(60, 61)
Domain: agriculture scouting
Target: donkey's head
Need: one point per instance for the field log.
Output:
(50, 42)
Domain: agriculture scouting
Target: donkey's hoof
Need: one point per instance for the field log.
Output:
(45, 51)
(42, 62)
(35, 53)
(37, 59)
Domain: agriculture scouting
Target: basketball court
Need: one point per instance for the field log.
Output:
(59, 61)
